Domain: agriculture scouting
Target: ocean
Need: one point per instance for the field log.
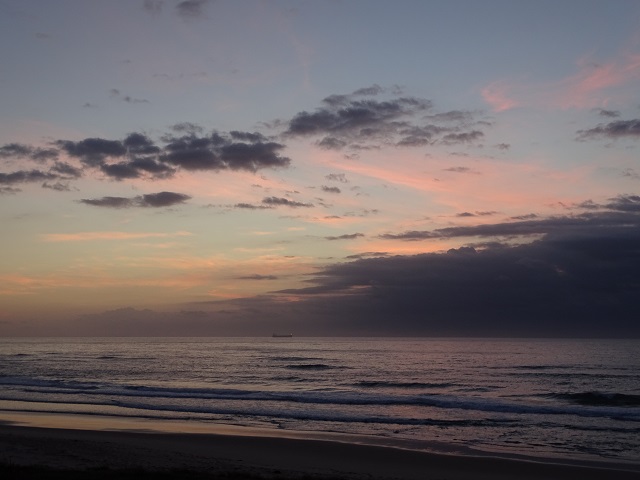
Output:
(560, 399)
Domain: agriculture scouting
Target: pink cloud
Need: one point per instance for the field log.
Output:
(498, 95)
(593, 85)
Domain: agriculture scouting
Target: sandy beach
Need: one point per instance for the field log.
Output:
(166, 454)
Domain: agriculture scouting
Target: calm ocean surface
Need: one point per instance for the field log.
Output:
(572, 399)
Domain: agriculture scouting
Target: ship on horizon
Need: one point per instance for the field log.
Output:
(282, 335)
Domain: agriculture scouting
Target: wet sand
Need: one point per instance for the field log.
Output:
(115, 454)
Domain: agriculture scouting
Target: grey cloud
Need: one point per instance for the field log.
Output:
(66, 169)
(152, 200)
(372, 90)
(57, 186)
(337, 177)
(249, 206)
(503, 146)
(612, 130)
(17, 150)
(191, 8)
(332, 143)
(330, 189)
(277, 201)
(608, 113)
(464, 137)
(110, 202)
(350, 236)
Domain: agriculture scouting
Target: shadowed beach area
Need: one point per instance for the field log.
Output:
(57, 453)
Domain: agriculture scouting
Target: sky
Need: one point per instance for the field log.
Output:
(338, 167)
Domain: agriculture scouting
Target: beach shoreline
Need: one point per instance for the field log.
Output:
(76, 443)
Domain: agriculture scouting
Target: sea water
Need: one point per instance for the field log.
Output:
(563, 399)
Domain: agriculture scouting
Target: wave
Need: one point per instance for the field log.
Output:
(407, 385)
(600, 399)
(110, 394)
(311, 366)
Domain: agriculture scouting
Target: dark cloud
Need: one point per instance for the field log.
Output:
(330, 189)
(612, 130)
(278, 201)
(337, 177)
(344, 119)
(217, 152)
(26, 176)
(249, 206)
(350, 236)
(503, 146)
(163, 199)
(191, 8)
(57, 186)
(17, 150)
(464, 137)
(559, 224)
(608, 113)
(348, 121)
(332, 143)
(152, 200)
(576, 283)
(66, 170)
(109, 202)
(92, 151)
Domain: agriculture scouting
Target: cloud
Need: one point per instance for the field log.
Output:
(613, 130)
(19, 150)
(26, 176)
(249, 206)
(608, 113)
(464, 137)
(219, 152)
(115, 93)
(621, 214)
(577, 283)
(349, 121)
(138, 156)
(498, 95)
(191, 8)
(351, 236)
(278, 201)
(330, 189)
(337, 177)
(152, 200)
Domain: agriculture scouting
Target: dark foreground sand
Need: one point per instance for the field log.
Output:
(101, 454)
